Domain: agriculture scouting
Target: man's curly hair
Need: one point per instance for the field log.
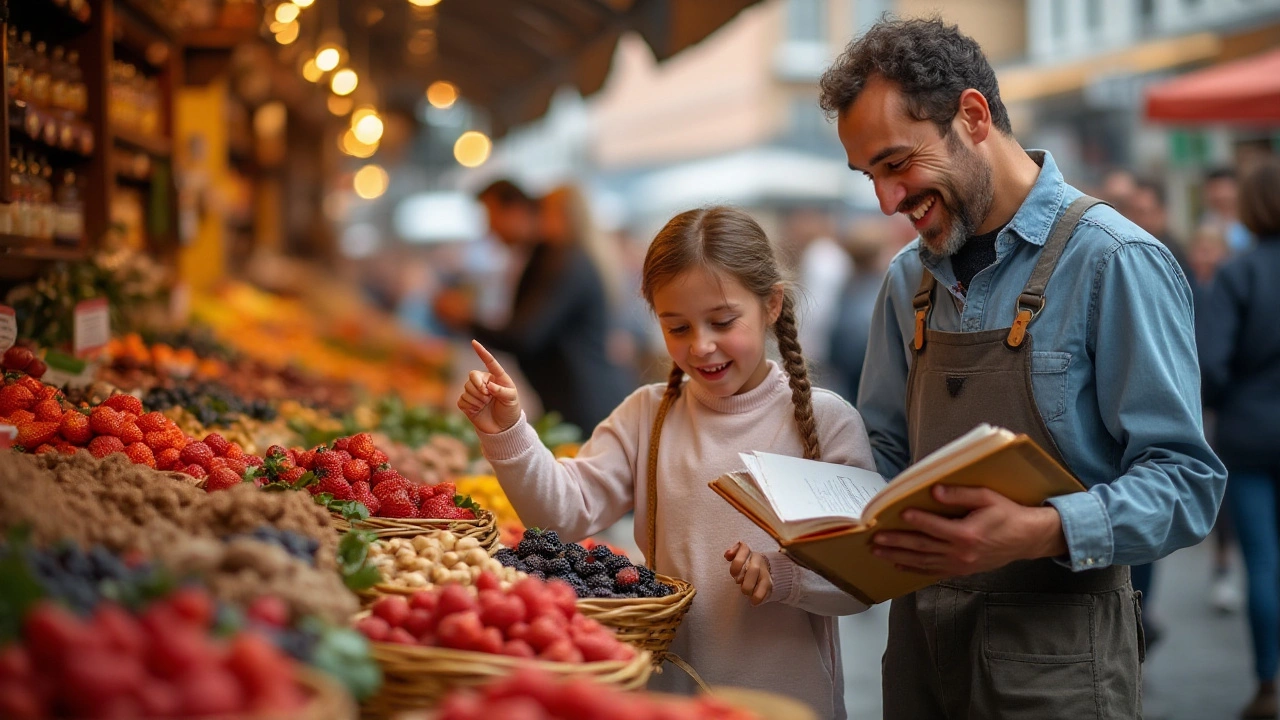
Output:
(931, 61)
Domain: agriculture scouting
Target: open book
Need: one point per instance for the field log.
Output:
(823, 515)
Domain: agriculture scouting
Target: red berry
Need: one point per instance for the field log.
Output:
(124, 403)
(361, 446)
(518, 648)
(216, 443)
(391, 485)
(105, 420)
(356, 471)
(196, 472)
(48, 410)
(34, 434)
(270, 610)
(74, 428)
(627, 577)
(37, 368)
(140, 454)
(455, 598)
(197, 453)
(152, 422)
(167, 459)
(392, 608)
(15, 397)
(130, 433)
(104, 445)
(396, 505)
(400, 636)
(211, 691)
(341, 443)
(193, 605)
(374, 628)
(221, 479)
(335, 485)
(17, 358)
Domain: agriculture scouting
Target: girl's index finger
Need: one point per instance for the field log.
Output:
(488, 359)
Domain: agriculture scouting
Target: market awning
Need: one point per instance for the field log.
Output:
(1244, 92)
(510, 56)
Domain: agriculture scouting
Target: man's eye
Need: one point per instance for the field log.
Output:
(896, 166)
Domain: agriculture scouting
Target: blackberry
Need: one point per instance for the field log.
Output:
(616, 563)
(646, 590)
(599, 592)
(535, 562)
(580, 588)
(548, 549)
(663, 589)
(527, 547)
(531, 534)
(646, 575)
(553, 538)
(557, 567)
(588, 569)
(506, 556)
(600, 581)
(538, 574)
(600, 552)
(520, 566)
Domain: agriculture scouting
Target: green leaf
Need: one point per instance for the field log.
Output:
(308, 478)
(353, 551)
(19, 592)
(465, 501)
(363, 579)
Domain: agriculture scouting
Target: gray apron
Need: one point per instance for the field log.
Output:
(1033, 639)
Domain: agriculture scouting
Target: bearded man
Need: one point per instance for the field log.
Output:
(1027, 305)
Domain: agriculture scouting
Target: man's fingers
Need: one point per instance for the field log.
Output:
(966, 497)
(490, 361)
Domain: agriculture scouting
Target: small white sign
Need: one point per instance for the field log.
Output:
(92, 326)
(8, 327)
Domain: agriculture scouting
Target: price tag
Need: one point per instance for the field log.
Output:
(92, 326)
(8, 327)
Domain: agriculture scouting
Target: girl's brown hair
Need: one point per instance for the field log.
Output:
(728, 240)
(1260, 199)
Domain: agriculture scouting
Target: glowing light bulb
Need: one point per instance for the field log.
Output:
(370, 182)
(328, 58)
(344, 82)
(368, 129)
(287, 12)
(311, 71)
(304, 3)
(442, 94)
(288, 34)
(472, 149)
(352, 146)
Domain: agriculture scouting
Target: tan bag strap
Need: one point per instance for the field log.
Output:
(654, 437)
(679, 662)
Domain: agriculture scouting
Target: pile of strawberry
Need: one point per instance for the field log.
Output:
(533, 619)
(163, 664)
(21, 359)
(353, 468)
(531, 694)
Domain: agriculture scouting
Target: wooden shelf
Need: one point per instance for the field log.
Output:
(157, 146)
(217, 38)
(26, 248)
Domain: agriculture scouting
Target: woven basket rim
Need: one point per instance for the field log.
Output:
(431, 652)
(485, 517)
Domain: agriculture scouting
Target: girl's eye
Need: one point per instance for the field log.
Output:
(722, 324)
(676, 330)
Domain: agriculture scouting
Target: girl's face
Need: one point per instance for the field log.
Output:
(715, 329)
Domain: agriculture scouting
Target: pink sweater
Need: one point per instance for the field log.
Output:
(787, 645)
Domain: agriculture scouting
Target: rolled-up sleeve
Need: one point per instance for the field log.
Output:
(1148, 392)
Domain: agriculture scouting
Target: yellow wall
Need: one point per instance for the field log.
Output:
(201, 112)
(999, 26)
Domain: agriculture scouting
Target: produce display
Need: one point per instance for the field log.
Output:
(533, 695)
(211, 403)
(532, 619)
(437, 559)
(22, 359)
(592, 573)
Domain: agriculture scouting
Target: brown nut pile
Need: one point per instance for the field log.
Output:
(435, 559)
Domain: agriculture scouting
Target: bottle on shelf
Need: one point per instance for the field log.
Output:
(69, 225)
(48, 202)
(26, 68)
(13, 65)
(18, 191)
(78, 94)
(42, 77)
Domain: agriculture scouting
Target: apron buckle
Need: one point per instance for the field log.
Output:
(921, 315)
(1028, 309)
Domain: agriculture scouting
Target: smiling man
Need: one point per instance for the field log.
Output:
(1023, 304)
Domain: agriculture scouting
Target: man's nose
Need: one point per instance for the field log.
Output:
(890, 194)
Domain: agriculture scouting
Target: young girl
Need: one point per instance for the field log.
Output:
(713, 281)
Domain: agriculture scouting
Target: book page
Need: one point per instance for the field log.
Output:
(802, 489)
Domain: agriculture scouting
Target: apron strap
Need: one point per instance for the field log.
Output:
(923, 302)
(1031, 301)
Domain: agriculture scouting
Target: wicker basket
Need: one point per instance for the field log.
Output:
(326, 700)
(484, 528)
(418, 677)
(648, 623)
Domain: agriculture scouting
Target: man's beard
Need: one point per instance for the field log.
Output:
(966, 207)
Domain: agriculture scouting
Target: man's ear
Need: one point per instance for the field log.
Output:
(973, 117)
(774, 304)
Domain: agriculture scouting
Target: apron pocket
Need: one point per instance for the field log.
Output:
(1049, 383)
(1039, 656)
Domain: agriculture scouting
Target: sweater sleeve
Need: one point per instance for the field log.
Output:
(843, 440)
(577, 497)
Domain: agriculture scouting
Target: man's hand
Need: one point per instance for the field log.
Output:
(996, 532)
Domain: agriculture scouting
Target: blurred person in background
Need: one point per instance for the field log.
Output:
(1238, 333)
(1146, 207)
(1220, 196)
(559, 322)
(1117, 186)
(870, 243)
(1205, 254)
(822, 267)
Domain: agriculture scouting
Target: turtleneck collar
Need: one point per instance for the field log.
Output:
(754, 399)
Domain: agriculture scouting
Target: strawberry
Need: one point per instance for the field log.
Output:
(221, 479)
(339, 488)
(167, 459)
(140, 454)
(48, 410)
(397, 505)
(356, 470)
(360, 491)
(455, 598)
(379, 459)
(460, 513)
(44, 449)
(518, 648)
(37, 369)
(104, 445)
(256, 663)
(562, 650)
(105, 420)
(361, 446)
(124, 403)
(374, 628)
(460, 631)
(400, 636)
(307, 459)
(75, 428)
(234, 450)
(152, 422)
(276, 451)
(253, 460)
(447, 489)
(293, 475)
(393, 485)
(420, 622)
(210, 692)
(192, 604)
(500, 611)
(543, 633)
(197, 453)
(15, 397)
(236, 465)
(195, 471)
(392, 608)
(438, 506)
(597, 646)
(269, 610)
(341, 443)
(34, 434)
(130, 433)
(216, 443)
(383, 475)
(33, 385)
(17, 358)
(48, 392)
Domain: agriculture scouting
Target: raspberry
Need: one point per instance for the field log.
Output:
(627, 577)
(167, 459)
(104, 445)
(216, 443)
(356, 470)
(140, 454)
(397, 505)
(152, 422)
(15, 397)
(361, 446)
(221, 479)
(197, 453)
(124, 403)
(48, 411)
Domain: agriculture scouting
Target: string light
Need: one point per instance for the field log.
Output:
(344, 82)
(288, 34)
(328, 58)
(339, 105)
(311, 71)
(368, 129)
(287, 12)
(304, 3)
(472, 149)
(351, 145)
(442, 94)
(423, 3)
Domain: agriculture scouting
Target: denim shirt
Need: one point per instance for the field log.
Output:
(1114, 373)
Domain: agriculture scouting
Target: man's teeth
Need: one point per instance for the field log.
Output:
(715, 369)
(921, 209)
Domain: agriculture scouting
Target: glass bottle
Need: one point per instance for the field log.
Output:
(19, 188)
(78, 94)
(58, 79)
(49, 208)
(13, 66)
(26, 75)
(69, 226)
(42, 77)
